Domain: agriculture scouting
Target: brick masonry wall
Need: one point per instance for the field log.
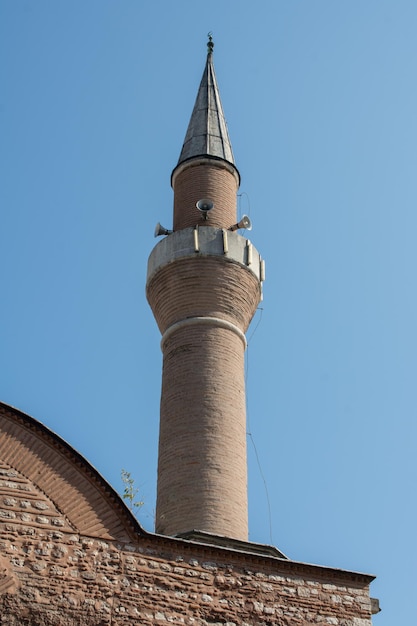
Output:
(200, 179)
(69, 482)
(57, 578)
(202, 481)
(202, 475)
(203, 286)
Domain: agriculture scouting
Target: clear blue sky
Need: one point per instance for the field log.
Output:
(321, 102)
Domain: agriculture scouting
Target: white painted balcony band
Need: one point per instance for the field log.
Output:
(205, 241)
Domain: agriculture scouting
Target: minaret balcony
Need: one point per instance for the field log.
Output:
(206, 241)
(204, 272)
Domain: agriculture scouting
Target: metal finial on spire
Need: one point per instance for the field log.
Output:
(210, 44)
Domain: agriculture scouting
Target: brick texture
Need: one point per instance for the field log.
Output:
(62, 477)
(202, 475)
(211, 179)
(202, 443)
(202, 286)
(96, 583)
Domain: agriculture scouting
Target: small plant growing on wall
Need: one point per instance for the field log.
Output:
(130, 491)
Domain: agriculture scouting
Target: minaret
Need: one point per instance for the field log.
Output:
(204, 285)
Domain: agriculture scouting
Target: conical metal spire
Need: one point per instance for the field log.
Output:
(207, 131)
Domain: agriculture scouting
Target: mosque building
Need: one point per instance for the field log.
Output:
(71, 552)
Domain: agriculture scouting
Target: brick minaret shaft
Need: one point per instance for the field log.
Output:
(204, 285)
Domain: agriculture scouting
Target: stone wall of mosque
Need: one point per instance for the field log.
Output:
(52, 577)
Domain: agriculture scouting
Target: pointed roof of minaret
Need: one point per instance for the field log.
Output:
(207, 131)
